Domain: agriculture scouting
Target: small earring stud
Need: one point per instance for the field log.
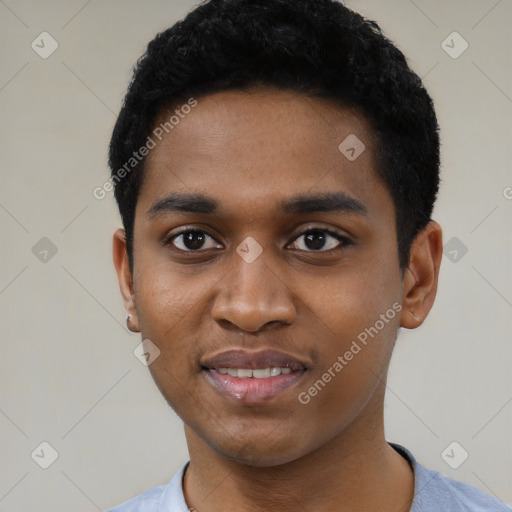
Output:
(128, 318)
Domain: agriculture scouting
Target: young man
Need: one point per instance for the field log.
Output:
(275, 164)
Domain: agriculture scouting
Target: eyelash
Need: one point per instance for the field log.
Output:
(343, 240)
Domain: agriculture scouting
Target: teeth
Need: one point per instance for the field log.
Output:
(260, 373)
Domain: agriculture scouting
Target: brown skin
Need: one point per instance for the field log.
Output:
(251, 151)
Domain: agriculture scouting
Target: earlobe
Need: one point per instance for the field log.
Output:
(421, 276)
(129, 324)
(124, 276)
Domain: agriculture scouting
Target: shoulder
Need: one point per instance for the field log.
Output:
(158, 499)
(148, 501)
(434, 491)
(473, 499)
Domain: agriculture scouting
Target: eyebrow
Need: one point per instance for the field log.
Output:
(328, 202)
(194, 203)
(301, 204)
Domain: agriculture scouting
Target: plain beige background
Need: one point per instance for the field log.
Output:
(68, 373)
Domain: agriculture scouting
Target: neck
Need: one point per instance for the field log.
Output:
(356, 470)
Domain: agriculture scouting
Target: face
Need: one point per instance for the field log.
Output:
(261, 248)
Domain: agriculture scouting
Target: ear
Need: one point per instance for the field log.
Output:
(124, 277)
(421, 276)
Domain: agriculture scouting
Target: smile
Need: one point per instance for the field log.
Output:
(258, 373)
(252, 377)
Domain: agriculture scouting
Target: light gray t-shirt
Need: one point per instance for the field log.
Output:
(433, 492)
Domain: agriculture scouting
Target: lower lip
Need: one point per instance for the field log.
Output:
(251, 390)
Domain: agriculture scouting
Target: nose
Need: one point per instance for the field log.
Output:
(253, 297)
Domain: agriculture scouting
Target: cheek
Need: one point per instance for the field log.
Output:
(167, 300)
(355, 298)
(351, 373)
(357, 315)
(168, 309)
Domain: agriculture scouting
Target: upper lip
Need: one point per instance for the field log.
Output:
(240, 358)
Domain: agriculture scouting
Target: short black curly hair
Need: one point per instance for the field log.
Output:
(317, 47)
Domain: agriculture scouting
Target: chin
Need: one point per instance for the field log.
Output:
(256, 457)
(258, 448)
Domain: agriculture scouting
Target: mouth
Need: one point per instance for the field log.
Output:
(253, 377)
(257, 373)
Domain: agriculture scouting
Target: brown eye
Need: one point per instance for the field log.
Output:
(320, 240)
(193, 240)
(315, 240)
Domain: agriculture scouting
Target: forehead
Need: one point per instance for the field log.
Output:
(259, 147)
